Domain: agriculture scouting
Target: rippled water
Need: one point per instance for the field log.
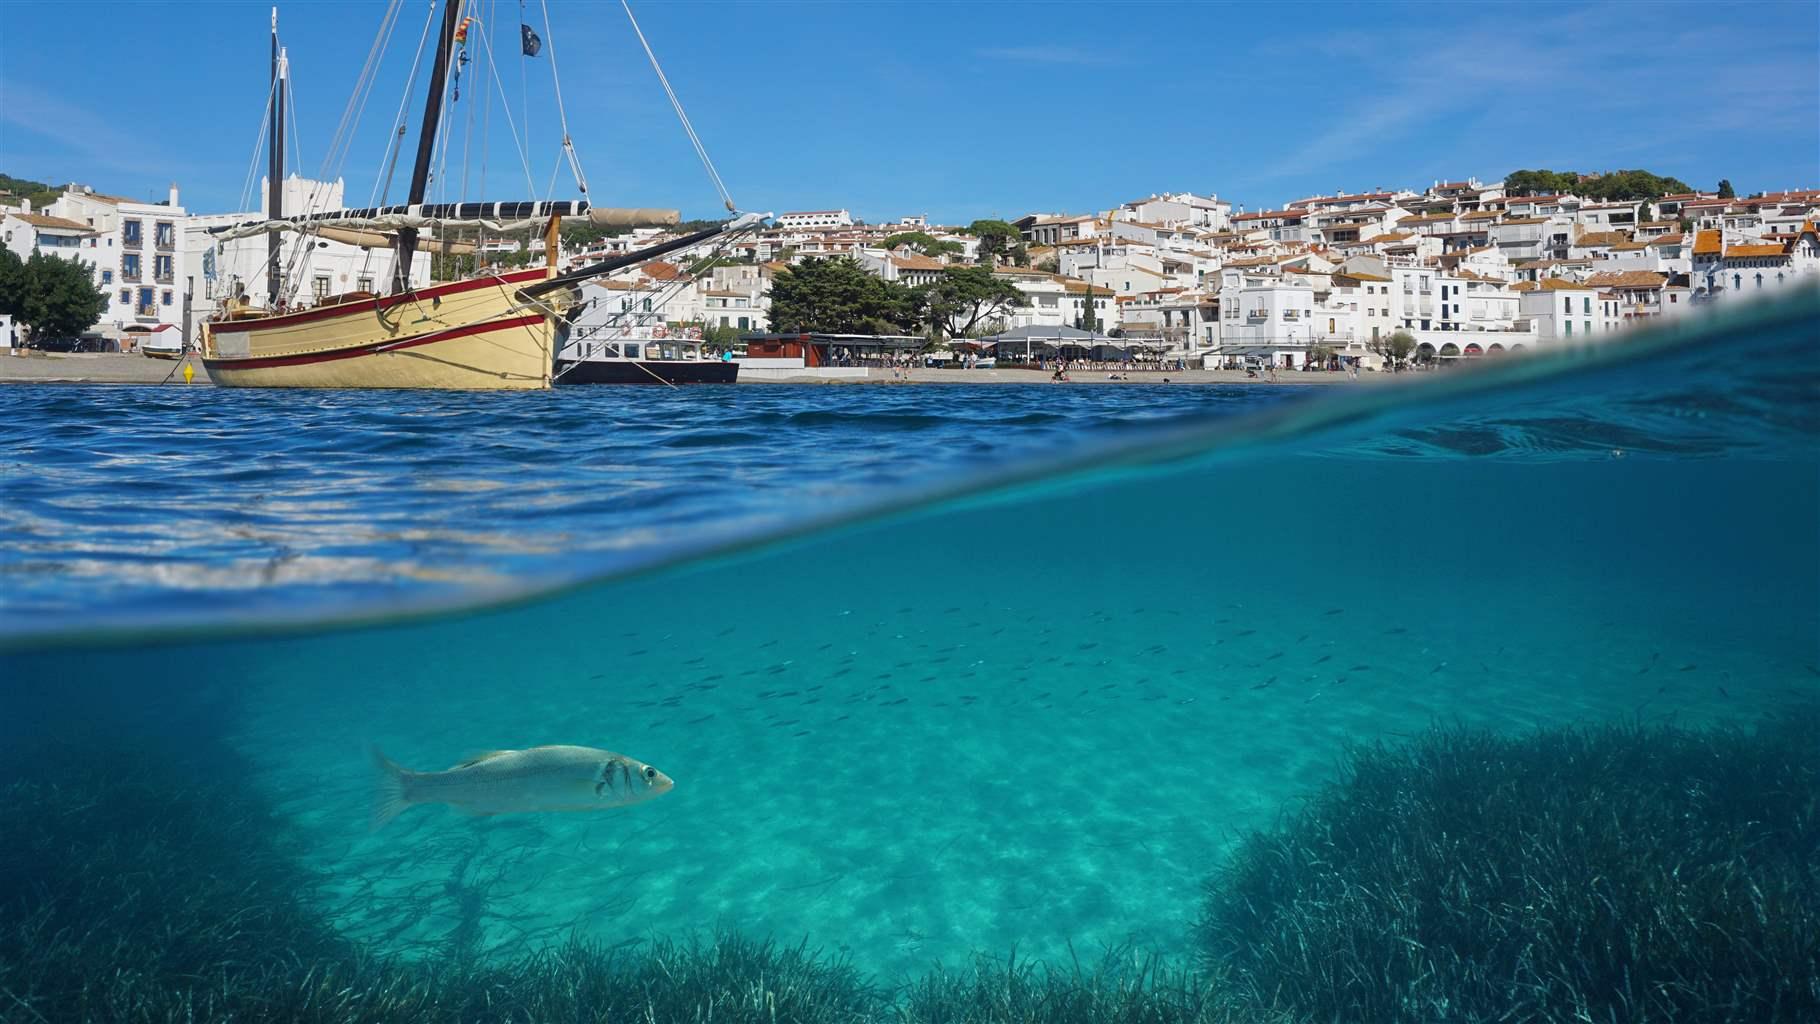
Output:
(174, 502)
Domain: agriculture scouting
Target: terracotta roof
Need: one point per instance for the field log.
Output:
(1708, 243)
(1627, 279)
(1754, 251)
(1020, 271)
(1602, 238)
(917, 263)
(661, 271)
(1799, 196)
(101, 197)
(1551, 284)
(1393, 236)
(1675, 239)
(39, 220)
(1482, 215)
(1358, 275)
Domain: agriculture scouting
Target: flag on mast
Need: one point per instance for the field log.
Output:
(531, 42)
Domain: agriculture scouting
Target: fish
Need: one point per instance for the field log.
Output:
(551, 778)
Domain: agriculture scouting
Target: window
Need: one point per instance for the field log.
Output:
(164, 267)
(1586, 307)
(164, 234)
(1567, 304)
(647, 305)
(147, 301)
(126, 296)
(744, 323)
(631, 350)
(1570, 327)
(107, 277)
(1759, 280)
(1737, 282)
(1586, 327)
(166, 297)
(129, 266)
(320, 288)
(364, 284)
(129, 231)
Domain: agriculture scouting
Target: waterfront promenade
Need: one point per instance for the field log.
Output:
(116, 368)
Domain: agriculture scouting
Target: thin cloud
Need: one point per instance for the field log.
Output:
(83, 134)
(1046, 54)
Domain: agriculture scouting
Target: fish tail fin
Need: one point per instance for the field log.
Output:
(390, 800)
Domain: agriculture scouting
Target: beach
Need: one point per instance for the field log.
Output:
(93, 368)
(119, 368)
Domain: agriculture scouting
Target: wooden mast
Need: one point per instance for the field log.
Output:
(274, 189)
(426, 142)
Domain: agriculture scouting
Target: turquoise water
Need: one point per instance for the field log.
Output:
(1035, 717)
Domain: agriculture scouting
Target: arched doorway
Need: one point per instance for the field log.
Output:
(1425, 353)
(1450, 351)
(1496, 346)
(1473, 350)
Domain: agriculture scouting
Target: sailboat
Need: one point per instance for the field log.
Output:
(497, 331)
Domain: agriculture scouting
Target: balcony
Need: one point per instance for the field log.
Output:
(130, 276)
(146, 312)
(170, 279)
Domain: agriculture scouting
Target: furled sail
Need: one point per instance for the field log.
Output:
(508, 216)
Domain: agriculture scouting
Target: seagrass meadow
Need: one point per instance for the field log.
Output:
(1489, 700)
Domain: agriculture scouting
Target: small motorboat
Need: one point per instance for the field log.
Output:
(641, 361)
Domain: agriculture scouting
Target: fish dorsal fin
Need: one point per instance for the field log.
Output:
(478, 758)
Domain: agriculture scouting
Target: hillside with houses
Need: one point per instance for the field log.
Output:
(1458, 270)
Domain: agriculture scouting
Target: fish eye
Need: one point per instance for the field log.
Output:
(650, 774)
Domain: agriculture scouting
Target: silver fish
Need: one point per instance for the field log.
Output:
(555, 778)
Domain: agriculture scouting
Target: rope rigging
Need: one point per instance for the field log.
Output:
(676, 104)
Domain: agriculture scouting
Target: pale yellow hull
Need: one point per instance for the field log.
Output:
(470, 335)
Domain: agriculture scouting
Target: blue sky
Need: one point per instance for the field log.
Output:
(955, 110)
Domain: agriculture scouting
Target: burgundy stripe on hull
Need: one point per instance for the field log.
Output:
(389, 345)
(380, 304)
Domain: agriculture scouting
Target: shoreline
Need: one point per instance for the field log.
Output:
(120, 368)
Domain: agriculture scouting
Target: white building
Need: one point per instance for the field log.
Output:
(24, 233)
(816, 219)
(1560, 311)
(336, 261)
(1265, 317)
(1179, 209)
(134, 252)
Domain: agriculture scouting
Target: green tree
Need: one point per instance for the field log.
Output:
(922, 242)
(1089, 322)
(999, 238)
(839, 296)
(1395, 347)
(1725, 189)
(964, 298)
(1617, 186)
(12, 284)
(59, 298)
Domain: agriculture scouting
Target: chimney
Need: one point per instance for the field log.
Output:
(173, 193)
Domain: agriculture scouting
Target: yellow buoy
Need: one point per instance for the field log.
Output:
(188, 371)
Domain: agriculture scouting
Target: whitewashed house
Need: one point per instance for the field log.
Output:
(136, 252)
(816, 219)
